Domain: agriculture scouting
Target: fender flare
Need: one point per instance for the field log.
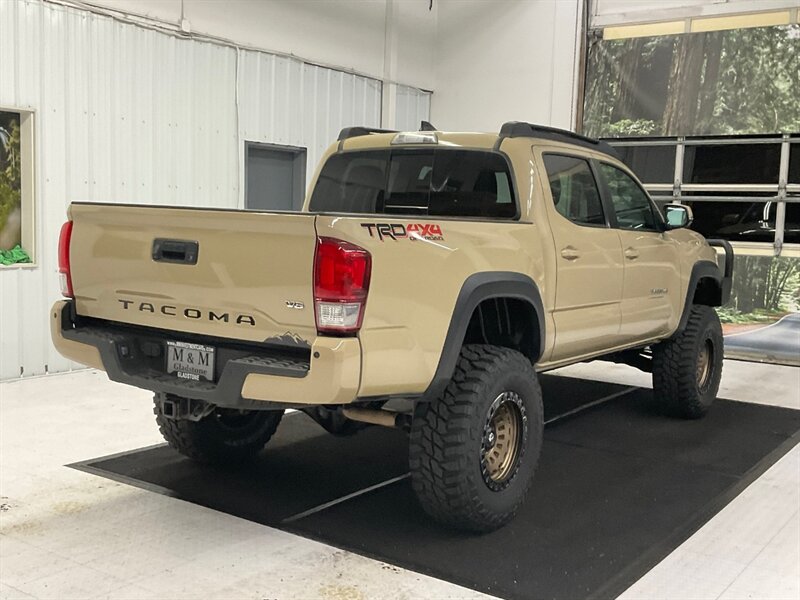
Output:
(703, 269)
(710, 269)
(477, 288)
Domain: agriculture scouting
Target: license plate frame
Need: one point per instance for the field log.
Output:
(193, 362)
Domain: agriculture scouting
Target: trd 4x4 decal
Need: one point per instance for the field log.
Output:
(412, 231)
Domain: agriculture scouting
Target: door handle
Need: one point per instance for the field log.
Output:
(570, 253)
(175, 251)
(631, 253)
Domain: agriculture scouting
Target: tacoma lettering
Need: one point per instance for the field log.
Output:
(171, 310)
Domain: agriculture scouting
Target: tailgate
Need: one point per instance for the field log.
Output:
(251, 277)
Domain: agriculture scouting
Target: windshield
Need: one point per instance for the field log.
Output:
(438, 182)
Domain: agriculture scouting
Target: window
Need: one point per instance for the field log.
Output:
(791, 230)
(16, 188)
(731, 163)
(702, 83)
(794, 163)
(631, 204)
(726, 181)
(409, 188)
(351, 183)
(471, 184)
(275, 177)
(438, 182)
(750, 220)
(574, 189)
(653, 164)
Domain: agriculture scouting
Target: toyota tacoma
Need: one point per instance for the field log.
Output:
(428, 279)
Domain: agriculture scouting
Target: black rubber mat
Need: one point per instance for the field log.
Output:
(617, 489)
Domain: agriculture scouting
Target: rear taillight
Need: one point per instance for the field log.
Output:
(341, 283)
(64, 273)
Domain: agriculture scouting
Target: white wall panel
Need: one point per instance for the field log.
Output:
(349, 33)
(345, 33)
(127, 114)
(505, 61)
(412, 107)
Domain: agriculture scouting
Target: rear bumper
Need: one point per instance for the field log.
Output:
(247, 376)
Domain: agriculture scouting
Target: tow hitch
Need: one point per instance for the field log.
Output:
(184, 409)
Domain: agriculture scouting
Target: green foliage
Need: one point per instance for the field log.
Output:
(758, 82)
(14, 256)
(731, 315)
(629, 127)
(10, 174)
(727, 82)
(766, 284)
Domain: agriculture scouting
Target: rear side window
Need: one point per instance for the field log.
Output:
(457, 183)
(574, 189)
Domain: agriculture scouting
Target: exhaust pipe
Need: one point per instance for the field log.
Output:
(384, 418)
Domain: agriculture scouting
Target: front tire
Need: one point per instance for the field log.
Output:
(687, 368)
(474, 450)
(225, 436)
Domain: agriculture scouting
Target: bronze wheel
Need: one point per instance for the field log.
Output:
(503, 437)
(705, 360)
(473, 450)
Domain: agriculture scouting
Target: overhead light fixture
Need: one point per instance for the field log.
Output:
(623, 32)
(770, 19)
(700, 25)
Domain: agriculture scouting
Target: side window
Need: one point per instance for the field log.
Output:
(631, 204)
(574, 189)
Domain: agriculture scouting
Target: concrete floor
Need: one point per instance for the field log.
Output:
(67, 534)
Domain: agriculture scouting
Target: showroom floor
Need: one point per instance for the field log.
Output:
(69, 534)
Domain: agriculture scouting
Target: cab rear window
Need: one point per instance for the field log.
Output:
(440, 182)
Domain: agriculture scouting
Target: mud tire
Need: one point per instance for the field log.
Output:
(448, 446)
(225, 436)
(687, 368)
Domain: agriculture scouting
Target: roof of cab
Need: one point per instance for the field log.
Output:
(511, 129)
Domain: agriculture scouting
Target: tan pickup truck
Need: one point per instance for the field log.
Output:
(427, 280)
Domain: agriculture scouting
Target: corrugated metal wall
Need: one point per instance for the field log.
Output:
(127, 114)
(413, 106)
(286, 101)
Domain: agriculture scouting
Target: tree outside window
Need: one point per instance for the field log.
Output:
(718, 82)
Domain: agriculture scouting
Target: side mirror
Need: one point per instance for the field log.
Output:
(678, 216)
